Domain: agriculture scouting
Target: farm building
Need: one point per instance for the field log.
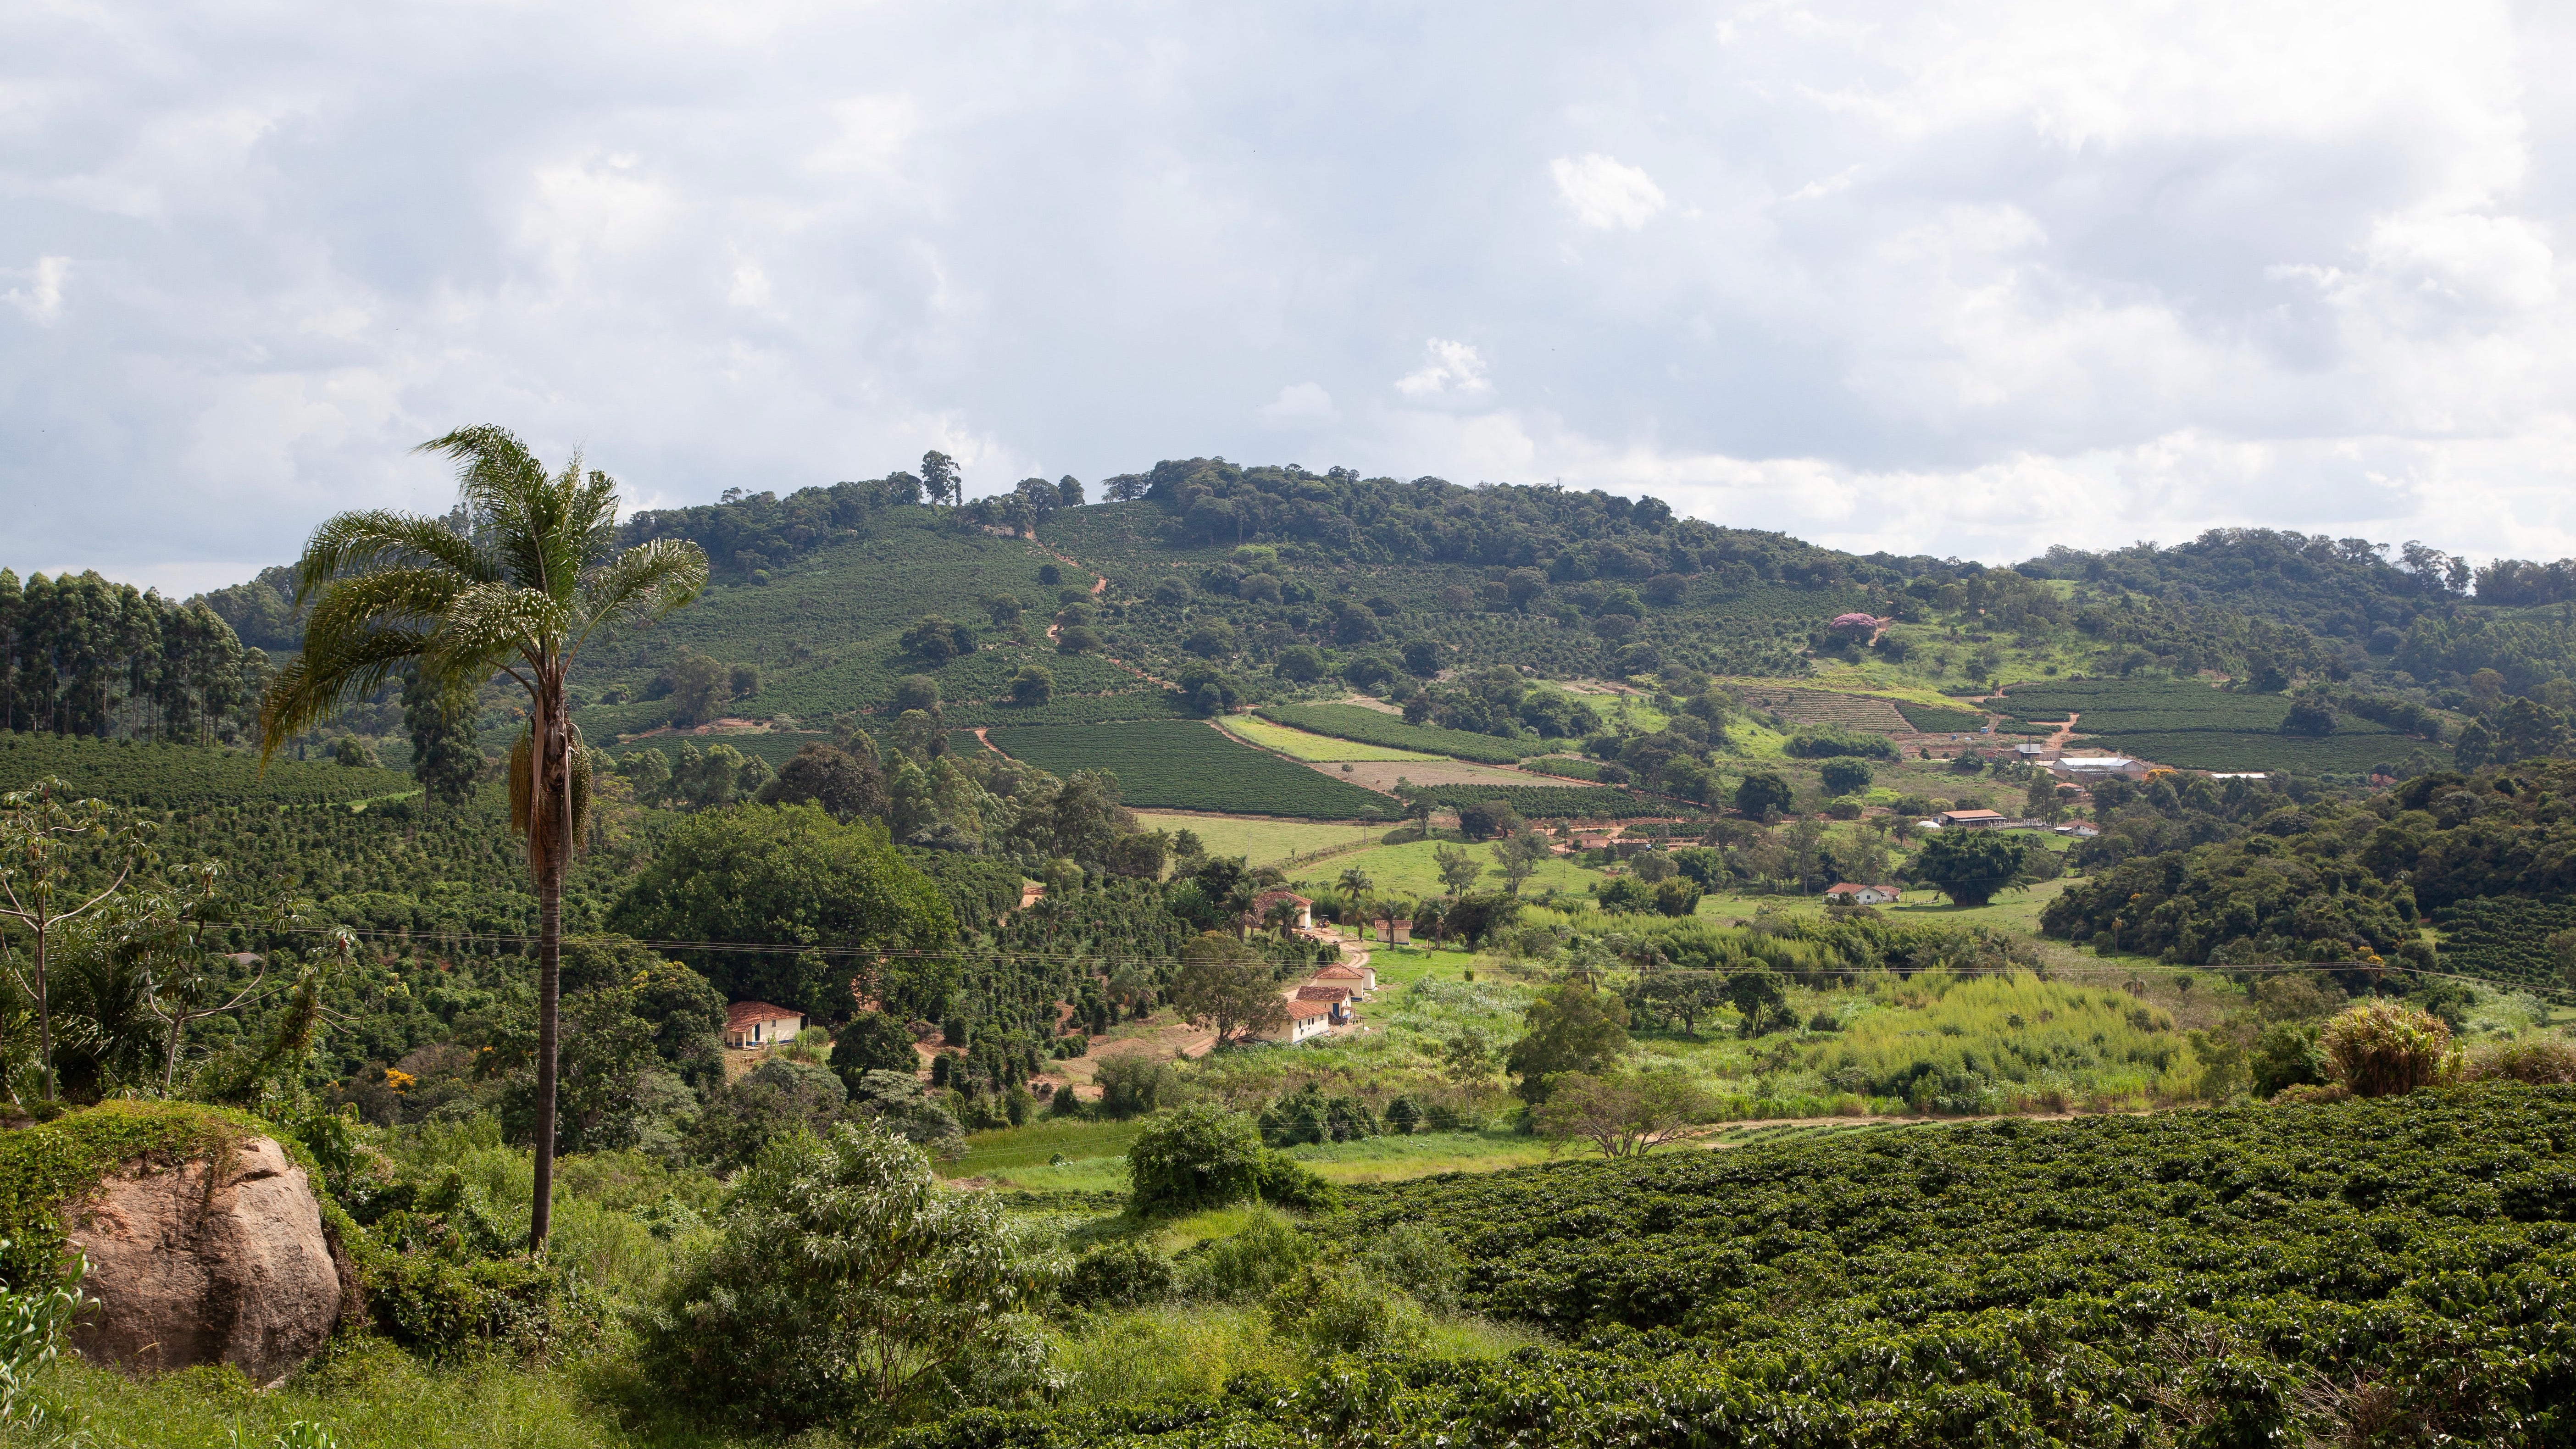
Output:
(1305, 1019)
(757, 1023)
(1970, 819)
(1305, 917)
(1334, 998)
(2097, 767)
(1360, 979)
(1396, 930)
(1848, 894)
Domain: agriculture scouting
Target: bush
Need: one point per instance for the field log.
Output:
(1131, 1086)
(1418, 1260)
(869, 1042)
(1204, 1156)
(2383, 1049)
(2544, 1061)
(1335, 1308)
(1844, 775)
(1122, 1275)
(853, 1291)
(1251, 1263)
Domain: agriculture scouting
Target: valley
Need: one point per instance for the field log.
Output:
(1389, 949)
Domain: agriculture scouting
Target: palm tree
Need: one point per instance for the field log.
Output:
(517, 585)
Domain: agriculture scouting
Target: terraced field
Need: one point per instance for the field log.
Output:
(1182, 765)
(1860, 713)
(1357, 722)
(1305, 745)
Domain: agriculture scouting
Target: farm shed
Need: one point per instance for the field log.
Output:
(1305, 1019)
(757, 1023)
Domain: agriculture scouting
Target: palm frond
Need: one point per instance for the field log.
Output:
(332, 673)
(503, 488)
(647, 580)
(353, 542)
(491, 620)
(386, 598)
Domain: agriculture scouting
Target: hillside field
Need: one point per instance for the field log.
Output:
(1189, 766)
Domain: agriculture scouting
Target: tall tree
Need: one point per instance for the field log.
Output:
(532, 573)
(47, 844)
(443, 757)
(940, 481)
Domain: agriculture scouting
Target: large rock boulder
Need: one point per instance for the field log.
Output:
(219, 1259)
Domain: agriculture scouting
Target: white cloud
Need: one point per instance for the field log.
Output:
(1953, 276)
(1454, 369)
(1606, 194)
(1297, 405)
(42, 298)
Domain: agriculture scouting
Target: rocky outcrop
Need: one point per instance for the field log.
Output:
(219, 1259)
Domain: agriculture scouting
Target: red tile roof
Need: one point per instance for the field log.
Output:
(1307, 1010)
(744, 1012)
(1323, 993)
(1339, 973)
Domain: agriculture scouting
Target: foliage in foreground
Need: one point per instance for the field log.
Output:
(852, 1289)
(2390, 1270)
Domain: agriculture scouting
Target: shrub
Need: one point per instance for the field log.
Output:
(854, 1290)
(1204, 1156)
(1122, 1275)
(1252, 1262)
(2383, 1049)
(1335, 1308)
(1131, 1086)
(2542, 1061)
(1418, 1260)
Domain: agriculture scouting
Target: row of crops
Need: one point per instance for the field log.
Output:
(2506, 938)
(182, 777)
(2194, 727)
(2370, 1271)
(1549, 802)
(1934, 719)
(1376, 727)
(1181, 765)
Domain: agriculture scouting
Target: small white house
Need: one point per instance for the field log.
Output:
(1305, 1019)
(1360, 979)
(1304, 920)
(1848, 894)
(757, 1023)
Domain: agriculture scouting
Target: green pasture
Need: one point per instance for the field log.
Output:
(1261, 840)
(1411, 869)
(1306, 745)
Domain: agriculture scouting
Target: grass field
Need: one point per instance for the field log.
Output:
(1356, 722)
(1188, 766)
(1009, 1151)
(1305, 745)
(1260, 841)
(1411, 869)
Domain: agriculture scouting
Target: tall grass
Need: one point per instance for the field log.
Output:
(370, 1395)
(2013, 1042)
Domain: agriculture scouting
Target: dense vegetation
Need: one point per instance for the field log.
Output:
(2328, 881)
(185, 777)
(80, 655)
(1191, 767)
(2008, 1284)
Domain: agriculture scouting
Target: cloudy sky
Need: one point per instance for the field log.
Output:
(1943, 277)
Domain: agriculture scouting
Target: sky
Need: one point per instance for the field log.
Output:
(1951, 278)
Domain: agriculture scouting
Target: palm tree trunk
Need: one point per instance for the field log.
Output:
(549, 947)
(549, 993)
